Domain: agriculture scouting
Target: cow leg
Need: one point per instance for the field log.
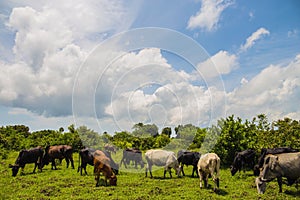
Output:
(35, 165)
(182, 170)
(170, 172)
(150, 170)
(97, 177)
(83, 166)
(53, 164)
(67, 161)
(279, 181)
(200, 177)
(205, 178)
(72, 162)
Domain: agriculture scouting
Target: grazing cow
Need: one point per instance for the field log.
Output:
(102, 164)
(86, 156)
(241, 159)
(209, 165)
(278, 166)
(33, 155)
(110, 148)
(134, 155)
(58, 152)
(189, 158)
(162, 158)
(182, 151)
(273, 151)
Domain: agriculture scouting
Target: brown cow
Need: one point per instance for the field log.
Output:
(102, 164)
(58, 152)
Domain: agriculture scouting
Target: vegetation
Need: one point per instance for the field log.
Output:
(225, 138)
(68, 184)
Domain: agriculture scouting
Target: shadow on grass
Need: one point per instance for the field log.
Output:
(292, 193)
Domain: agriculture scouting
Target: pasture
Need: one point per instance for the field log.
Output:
(132, 184)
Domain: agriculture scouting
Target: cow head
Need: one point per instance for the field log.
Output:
(260, 185)
(113, 180)
(233, 170)
(270, 168)
(178, 170)
(15, 169)
(236, 166)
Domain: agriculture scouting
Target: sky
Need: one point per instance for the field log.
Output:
(109, 64)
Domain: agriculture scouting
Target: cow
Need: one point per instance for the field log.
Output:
(242, 159)
(189, 158)
(273, 151)
(33, 155)
(86, 156)
(102, 164)
(134, 155)
(110, 148)
(277, 166)
(58, 152)
(209, 165)
(182, 151)
(162, 158)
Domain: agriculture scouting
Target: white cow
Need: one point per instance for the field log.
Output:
(162, 158)
(209, 164)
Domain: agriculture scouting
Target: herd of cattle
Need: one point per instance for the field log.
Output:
(276, 163)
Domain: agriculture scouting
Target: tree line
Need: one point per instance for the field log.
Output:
(228, 136)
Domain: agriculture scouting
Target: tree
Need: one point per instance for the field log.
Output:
(145, 130)
(167, 131)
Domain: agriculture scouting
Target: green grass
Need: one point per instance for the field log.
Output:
(68, 184)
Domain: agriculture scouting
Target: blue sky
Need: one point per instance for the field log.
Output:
(70, 62)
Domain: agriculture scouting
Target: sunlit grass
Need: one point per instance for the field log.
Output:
(68, 184)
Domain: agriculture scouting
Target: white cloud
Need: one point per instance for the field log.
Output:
(209, 14)
(220, 63)
(253, 38)
(274, 91)
(49, 47)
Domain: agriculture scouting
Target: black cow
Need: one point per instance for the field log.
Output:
(242, 159)
(33, 155)
(273, 151)
(189, 158)
(134, 155)
(86, 156)
(58, 152)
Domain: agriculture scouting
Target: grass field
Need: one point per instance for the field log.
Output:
(68, 184)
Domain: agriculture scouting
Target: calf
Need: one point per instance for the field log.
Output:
(162, 158)
(134, 155)
(189, 158)
(278, 166)
(33, 155)
(209, 165)
(86, 156)
(102, 164)
(242, 159)
(58, 152)
(273, 151)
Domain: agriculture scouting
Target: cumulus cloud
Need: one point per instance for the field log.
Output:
(253, 38)
(219, 64)
(50, 45)
(142, 83)
(274, 91)
(209, 14)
